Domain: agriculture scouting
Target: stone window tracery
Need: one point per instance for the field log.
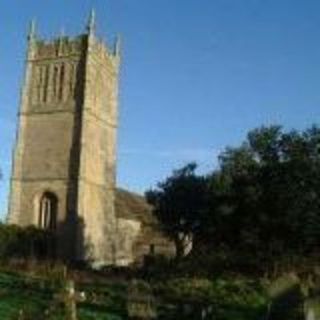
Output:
(61, 82)
(55, 80)
(46, 84)
(48, 211)
(72, 79)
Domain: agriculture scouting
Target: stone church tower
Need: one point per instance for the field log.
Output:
(63, 175)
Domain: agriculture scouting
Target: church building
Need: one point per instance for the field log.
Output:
(64, 165)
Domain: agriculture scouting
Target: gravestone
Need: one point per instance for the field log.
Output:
(69, 297)
(287, 299)
(312, 308)
(140, 301)
(195, 310)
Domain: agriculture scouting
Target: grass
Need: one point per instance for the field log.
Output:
(17, 293)
(229, 298)
(35, 295)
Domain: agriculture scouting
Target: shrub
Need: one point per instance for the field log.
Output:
(226, 299)
(28, 242)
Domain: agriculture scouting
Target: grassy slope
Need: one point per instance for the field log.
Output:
(231, 299)
(36, 295)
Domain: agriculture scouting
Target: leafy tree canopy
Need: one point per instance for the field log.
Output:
(179, 202)
(264, 198)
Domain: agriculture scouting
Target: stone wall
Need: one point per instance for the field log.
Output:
(138, 230)
(97, 159)
(66, 143)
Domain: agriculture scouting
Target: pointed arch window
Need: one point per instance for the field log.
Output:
(46, 84)
(55, 80)
(72, 79)
(61, 82)
(48, 211)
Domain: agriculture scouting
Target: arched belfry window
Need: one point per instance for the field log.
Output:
(61, 82)
(48, 211)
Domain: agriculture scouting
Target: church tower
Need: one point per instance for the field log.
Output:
(63, 175)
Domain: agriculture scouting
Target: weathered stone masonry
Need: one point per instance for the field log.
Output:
(64, 159)
(63, 175)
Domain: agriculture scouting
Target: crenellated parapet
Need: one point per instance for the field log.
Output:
(63, 47)
(59, 48)
(103, 53)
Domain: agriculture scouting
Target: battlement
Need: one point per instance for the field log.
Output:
(102, 50)
(59, 47)
(65, 46)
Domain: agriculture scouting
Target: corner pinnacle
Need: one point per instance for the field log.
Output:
(91, 22)
(32, 30)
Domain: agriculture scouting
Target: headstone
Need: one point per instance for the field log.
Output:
(140, 301)
(287, 298)
(196, 310)
(21, 315)
(69, 297)
(310, 315)
(312, 308)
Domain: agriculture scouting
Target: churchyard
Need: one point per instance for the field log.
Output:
(52, 292)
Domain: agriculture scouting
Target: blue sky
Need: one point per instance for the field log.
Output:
(196, 74)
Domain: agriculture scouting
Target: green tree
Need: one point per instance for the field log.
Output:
(262, 202)
(267, 193)
(179, 203)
